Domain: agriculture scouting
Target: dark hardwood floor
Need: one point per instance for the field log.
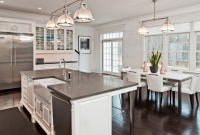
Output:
(150, 117)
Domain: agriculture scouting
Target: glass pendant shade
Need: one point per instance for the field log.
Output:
(83, 14)
(52, 24)
(167, 27)
(143, 30)
(65, 19)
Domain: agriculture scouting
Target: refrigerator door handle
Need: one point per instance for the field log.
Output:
(11, 55)
(15, 54)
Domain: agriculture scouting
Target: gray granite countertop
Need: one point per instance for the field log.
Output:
(57, 62)
(82, 84)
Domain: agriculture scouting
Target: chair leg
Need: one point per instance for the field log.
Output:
(170, 94)
(140, 93)
(136, 94)
(192, 100)
(197, 98)
(161, 96)
(148, 91)
(173, 97)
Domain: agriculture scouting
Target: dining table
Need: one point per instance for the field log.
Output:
(172, 77)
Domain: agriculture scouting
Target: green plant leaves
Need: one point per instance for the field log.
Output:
(155, 58)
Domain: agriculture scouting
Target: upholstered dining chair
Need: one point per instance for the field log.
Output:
(170, 82)
(191, 89)
(155, 83)
(135, 77)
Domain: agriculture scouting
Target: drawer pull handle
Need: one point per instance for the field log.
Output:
(60, 99)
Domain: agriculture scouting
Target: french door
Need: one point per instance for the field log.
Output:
(112, 56)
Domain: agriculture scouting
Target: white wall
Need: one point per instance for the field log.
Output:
(85, 63)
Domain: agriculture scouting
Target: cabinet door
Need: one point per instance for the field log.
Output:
(30, 93)
(40, 38)
(38, 106)
(50, 39)
(46, 114)
(61, 39)
(69, 39)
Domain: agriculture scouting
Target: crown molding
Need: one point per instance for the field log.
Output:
(5, 19)
(23, 13)
(167, 13)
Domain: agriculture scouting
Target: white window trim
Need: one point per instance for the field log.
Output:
(178, 51)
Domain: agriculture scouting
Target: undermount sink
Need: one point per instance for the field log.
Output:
(49, 81)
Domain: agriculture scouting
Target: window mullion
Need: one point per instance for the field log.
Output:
(192, 55)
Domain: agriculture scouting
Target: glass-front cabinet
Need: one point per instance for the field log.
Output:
(69, 39)
(49, 39)
(39, 38)
(54, 41)
(60, 39)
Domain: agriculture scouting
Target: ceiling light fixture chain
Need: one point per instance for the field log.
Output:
(167, 27)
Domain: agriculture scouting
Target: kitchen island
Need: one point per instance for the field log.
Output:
(86, 99)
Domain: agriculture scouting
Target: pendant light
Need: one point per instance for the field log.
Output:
(143, 30)
(52, 23)
(83, 14)
(65, 19)
(167, 27)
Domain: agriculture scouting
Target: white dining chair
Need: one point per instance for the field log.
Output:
(125, 69)
(191, 89)
(155, 83)
(136, 77)
(173, 84)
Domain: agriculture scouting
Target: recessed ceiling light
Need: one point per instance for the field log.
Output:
(39, 8)
(1, 1)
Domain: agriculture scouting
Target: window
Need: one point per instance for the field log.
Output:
(112, 52)
(113, 35)
(178, 51)
(155, 42)
(198, 52)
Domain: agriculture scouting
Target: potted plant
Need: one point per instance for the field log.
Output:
(154, 60)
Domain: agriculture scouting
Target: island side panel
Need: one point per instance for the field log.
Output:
(92, 116)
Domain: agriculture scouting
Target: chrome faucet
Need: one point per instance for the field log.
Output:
(64, 72)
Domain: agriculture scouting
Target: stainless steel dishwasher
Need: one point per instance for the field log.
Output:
(61, 114)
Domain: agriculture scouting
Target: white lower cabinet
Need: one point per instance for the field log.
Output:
(72, 66)
(43, 114)
(38, 107)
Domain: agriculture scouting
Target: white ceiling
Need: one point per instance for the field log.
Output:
(103, 10)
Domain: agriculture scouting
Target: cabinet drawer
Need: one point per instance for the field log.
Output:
(42, 67)
(25, 98)
(25, 80)
(25, 92)
(53, 66)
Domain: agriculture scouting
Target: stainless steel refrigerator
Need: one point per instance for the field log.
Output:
(16, 54)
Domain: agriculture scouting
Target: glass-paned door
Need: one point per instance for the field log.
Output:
(117, 56)
(107, 56)
(39, 38)
(112, 56)
(50, 40)
(60, 39)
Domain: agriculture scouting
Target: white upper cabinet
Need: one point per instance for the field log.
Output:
(54, 41)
